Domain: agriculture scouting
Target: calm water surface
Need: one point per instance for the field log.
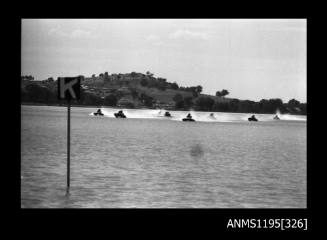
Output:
(148, 162)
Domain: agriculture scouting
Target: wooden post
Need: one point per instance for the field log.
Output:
(68, 146)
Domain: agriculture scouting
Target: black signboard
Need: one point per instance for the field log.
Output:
(69, 88)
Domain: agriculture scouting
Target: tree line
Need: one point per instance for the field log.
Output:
(37, 93)
(42, 94)
(204, 103)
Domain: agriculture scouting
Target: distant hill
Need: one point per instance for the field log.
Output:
(138, 90)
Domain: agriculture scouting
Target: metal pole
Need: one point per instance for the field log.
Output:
(68, 146)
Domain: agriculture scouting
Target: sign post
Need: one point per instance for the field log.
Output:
(68, 145)
(68, 89)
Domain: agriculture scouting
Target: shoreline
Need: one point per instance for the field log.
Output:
(72, 105)
(115, 107)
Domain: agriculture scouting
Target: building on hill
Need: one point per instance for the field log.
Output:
(87, 80)
(136, 75)
(106, 77)
(50, 79)
(163, 105)
(27, 78)
(107, 90)
(130, 77)
(124, 90)
(114, 77)
(126, 102)
(84, 86)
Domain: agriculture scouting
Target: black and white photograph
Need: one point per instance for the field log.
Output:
(163, 113)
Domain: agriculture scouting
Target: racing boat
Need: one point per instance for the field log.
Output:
(98, 113)
(188, 118)
(167, 114)
(252, 118)
(120, 114)
(212, 116)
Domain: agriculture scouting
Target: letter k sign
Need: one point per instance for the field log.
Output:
(69, 88)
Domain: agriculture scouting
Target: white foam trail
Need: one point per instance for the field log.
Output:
(278, 112)
(290, 117)
(108, 112)
(198, 115)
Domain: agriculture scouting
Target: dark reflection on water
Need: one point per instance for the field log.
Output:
(151, 163)
(196, 151)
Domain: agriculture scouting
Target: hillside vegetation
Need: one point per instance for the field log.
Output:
(138, 90)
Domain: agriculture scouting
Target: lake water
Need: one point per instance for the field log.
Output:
(150, 161)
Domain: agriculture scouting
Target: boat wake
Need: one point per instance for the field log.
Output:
(198, 115)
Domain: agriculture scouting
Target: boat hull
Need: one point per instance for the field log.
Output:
(188, 120)
(119, 116)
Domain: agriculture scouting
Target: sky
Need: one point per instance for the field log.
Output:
(253, 59)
